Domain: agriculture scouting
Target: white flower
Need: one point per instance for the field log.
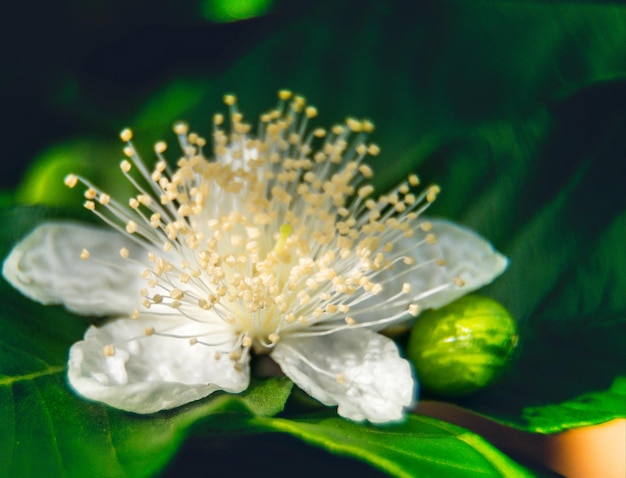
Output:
(276, 246)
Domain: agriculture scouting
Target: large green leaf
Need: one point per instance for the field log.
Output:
(419, 447)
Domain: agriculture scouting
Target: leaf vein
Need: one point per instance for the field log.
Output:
(49, 370)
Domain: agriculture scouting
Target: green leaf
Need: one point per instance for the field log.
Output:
(91, 158)
(233, 10)
(421, 446)
(69, 436)
(571, 370)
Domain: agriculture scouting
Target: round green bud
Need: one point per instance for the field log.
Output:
(462, 347)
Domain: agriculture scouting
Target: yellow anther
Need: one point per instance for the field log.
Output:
(155, 220)
(431, 239)
(90, 205)
(459, 282)
(246, 341)
(341, 378)
(124, 253)
(84, 254)
(109, 350)
(71, 180)
(310, 111)
(176, 294)
(298, 103)
(426, 226)
(337, 129)
(366, 190)
(431, 195)
(366, 171)
(319, 132)
(193, 341)
(414, 310)
(90, 193)
(284, 94)
(350, 321)
(131, 227)
(414, 180)
(149, 331)
(125, 165)
(181, 128)
(273, 337)
(230, 100)
(160, 147)
(373, 150)
(370, 204)
(104, 199)
(406, 288)
(354, 125)
(126, 134)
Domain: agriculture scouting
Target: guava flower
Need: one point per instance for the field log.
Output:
(276, 245)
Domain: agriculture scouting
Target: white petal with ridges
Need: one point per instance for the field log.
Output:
(358, 370)
(469, 262)
(467, 256)
(151, 373)
(46, 267)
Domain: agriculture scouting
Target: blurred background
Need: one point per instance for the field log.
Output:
(76, 72)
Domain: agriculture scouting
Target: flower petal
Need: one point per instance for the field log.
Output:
(359, 370)
(46, 267)
(148, 373)
(459, 262)
(467, 256)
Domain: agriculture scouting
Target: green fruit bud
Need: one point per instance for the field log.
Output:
(462, 347)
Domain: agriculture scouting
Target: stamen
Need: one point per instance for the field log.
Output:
(271, 238)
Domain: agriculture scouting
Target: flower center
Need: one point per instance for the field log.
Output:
(278, 234)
